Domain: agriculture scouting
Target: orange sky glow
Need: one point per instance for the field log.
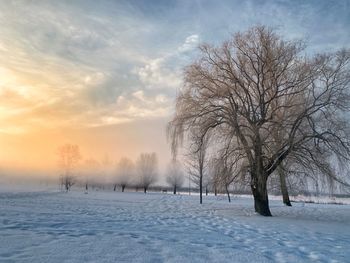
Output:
(104, 75)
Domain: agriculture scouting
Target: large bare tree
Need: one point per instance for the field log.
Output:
(241, 85)
(147, 167)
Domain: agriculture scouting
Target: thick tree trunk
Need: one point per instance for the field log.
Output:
(145, 189)
(228, 194)
(123, 188)
(284, 188)
(259, 189)
(174, 189)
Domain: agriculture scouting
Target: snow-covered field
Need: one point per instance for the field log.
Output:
(134, 227)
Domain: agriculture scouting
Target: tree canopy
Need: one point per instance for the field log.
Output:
(264, 98)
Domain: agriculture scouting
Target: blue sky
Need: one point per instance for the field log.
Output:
(84, 64)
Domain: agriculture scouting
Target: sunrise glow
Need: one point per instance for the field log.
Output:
(105, 75)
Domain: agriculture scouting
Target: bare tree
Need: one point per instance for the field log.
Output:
(240, 85)
(228, 168)
(147, 166)
(214, 176)
(91, 170)
(175, 176)
(107, 170)
(197, 160)
(317, 164)
(215, 183)
(125, 172)
(69, 156)
(206, 184)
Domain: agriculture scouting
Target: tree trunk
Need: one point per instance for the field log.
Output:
(67, 184)
(284, 188)
(145, 189)
(228, 194)
(206, 190)
(115, 187)
(86, 186)
(259, 189)
(200, 189)
(174, 189)
(123, 188)
(215, 191)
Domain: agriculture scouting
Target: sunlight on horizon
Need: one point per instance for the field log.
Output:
(105, 75)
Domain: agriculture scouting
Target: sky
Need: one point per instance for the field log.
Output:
(105, 74)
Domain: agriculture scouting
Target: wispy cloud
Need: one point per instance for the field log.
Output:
(191, 42)
(88, 63)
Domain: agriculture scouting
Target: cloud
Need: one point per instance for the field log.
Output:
(165, 72)
(191, 42)
(132, 107)
(156, 74)
(142, 105)
(104, 74)
(81, 63)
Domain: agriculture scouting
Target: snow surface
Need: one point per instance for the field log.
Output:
(154, 227)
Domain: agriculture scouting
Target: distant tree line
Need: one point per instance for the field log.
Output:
(125, 173)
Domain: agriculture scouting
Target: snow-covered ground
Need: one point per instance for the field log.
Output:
(135, 227)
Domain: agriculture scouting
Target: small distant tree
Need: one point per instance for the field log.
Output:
(92, 170)
(107, 170)
(147, 166)
(125, 171)
(215, 183)
(214, 177)
(227, 171)
(69, 157)
(175, 176)
(206, 185)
